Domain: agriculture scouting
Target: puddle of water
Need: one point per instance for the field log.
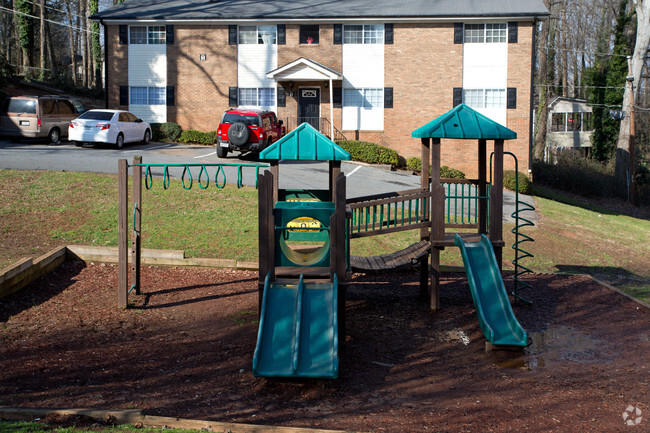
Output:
(554, 345)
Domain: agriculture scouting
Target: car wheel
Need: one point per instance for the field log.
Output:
(238, 133)
(147, 137)
(54, 137)
(222, 152)
(120, 141)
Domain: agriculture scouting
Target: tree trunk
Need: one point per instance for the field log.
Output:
(41, 33)
(542, 107)
(624, 174)
(71, 36)
(82, 43)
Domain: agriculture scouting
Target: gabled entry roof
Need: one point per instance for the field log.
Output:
(464, 122)
(303, 69)
(305, 143)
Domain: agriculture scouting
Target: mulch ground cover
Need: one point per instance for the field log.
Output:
(185, 349)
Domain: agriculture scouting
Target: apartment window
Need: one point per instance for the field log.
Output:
(157, 96)
(309, 34)
(142, 35)
(496, 33)
(486, 33)
(138, 35)
(485, 98)
(363, 109)
(148, 95)
(260, 35)
(363, 98)
(473, 98)
(495, 98)
(139, 96)
(156, 35)
(363, 34)
(257, 97)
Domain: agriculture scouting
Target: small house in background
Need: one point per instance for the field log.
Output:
(570, 127)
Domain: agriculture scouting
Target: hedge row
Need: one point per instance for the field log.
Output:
(510, 182)
(415, 164)
(371, 153)
(171, 132)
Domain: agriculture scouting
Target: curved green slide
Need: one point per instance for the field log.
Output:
(495, 315)
(298, 331)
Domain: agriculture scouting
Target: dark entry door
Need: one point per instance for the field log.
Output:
(309, 107)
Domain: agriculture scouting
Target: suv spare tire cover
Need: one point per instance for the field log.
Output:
(238, 133)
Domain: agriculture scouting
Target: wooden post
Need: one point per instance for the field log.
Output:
(275, 171)
(482, 186)
(496, 202)
(339, 206)
(334, 170)
(136, 236)
(425, 233)
(437, 223)
(266, 232)
(123, 258)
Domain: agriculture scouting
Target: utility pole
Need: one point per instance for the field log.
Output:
(632, 169)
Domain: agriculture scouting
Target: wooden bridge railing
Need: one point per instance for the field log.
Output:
(388, 213)
(407, 210)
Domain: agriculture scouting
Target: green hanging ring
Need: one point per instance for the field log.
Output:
(216, 177)
(187, 170)
(166, 177)
(148, 178)
(207, 180)
(240, 180)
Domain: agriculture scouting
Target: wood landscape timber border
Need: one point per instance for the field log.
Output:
(18, 275)
(137, 418)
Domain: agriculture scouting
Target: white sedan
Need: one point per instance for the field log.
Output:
(108, 126)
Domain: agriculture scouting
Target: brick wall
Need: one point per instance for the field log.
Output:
(116, 66)
(201, 86)
(325, 53)
(422, 66)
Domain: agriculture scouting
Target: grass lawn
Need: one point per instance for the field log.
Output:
(40, 210)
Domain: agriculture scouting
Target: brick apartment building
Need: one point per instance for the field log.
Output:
(368, 70)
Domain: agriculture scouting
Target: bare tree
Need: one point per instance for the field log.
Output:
(624, 170)
(71, 36)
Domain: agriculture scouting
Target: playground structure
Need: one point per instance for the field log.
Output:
(203, 180)
(302, 287)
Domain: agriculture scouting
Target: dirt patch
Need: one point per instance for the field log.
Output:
(186, 348)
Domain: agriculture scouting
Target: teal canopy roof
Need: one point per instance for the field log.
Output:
(464, 122)
(305, 144)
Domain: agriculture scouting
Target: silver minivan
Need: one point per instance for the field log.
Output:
(38, 116)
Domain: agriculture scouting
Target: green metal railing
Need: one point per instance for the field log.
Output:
(520, 238)
(187, 180)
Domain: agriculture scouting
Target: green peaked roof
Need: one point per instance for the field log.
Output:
(305, 144)
(464, 122)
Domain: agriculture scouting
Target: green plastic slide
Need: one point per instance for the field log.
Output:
(298, 331)
(495, 315)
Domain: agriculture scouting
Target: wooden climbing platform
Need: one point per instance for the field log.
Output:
(405, 258)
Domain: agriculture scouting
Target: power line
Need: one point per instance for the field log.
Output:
(55, 9)
(547, 48)
(6, 10)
